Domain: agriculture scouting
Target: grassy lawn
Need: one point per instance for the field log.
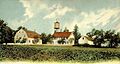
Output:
(58, 53)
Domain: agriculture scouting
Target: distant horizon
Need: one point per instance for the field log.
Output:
(40, 15)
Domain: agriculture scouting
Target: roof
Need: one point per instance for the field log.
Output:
(32, 34)
(62, 34)
(89, 38)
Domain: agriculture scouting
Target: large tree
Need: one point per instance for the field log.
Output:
(77, 35)
(6, 33)
(113, 38)
(102, 37)
(98, 36)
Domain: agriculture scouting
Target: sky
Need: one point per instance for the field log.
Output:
(40, 15)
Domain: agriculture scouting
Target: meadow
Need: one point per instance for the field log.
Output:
(43, 53)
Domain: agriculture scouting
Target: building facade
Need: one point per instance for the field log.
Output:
(63, 38)
(86, 40)
(27, 37)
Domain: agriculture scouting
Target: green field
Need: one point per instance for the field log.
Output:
(58, 53)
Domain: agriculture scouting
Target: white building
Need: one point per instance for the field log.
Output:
(27, 37)
(63, 38)
(86, 40)
(60, 37)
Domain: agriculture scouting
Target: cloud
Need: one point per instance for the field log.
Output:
(101, 17)
(32, 8)
(95, 19)
(27, 6)
(117, 26)
(57, 10)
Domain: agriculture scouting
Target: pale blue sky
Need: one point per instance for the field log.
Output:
(39, 15)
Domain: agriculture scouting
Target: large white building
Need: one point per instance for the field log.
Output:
(63, 38)
(60, 37)
(27, 37)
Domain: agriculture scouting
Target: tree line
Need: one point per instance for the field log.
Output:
(99, 36)
(6, 33)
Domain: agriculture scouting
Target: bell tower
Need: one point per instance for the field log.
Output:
(56, 26)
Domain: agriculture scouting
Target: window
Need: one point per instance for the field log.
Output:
(24, 36)
(83, 38)
(19, 37)
(29, 41)
(33, 41)
(16, 37)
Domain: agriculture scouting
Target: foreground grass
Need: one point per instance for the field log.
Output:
(58, 53)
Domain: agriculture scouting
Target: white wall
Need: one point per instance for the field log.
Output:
(30, 41)
(20, 34)
(84, 40)
(71, 36)
(55, 41)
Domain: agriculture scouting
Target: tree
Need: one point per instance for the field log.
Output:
(43, 37)
(77, 35)
(20, 27)
(6, 33)
(61, 41)
(65, 30)
(102, 37)
(113, 38)
(117, 38)
(46, 38)
(23, 40)
(92, 33)
(99, 36)
(49, 38)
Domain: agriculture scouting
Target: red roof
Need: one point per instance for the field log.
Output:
(62, 34)
(32, 34)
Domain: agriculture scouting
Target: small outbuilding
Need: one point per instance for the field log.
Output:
(86, 40)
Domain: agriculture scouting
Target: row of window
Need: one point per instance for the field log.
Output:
(21, 32)
(17, 37)
(34, 41)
